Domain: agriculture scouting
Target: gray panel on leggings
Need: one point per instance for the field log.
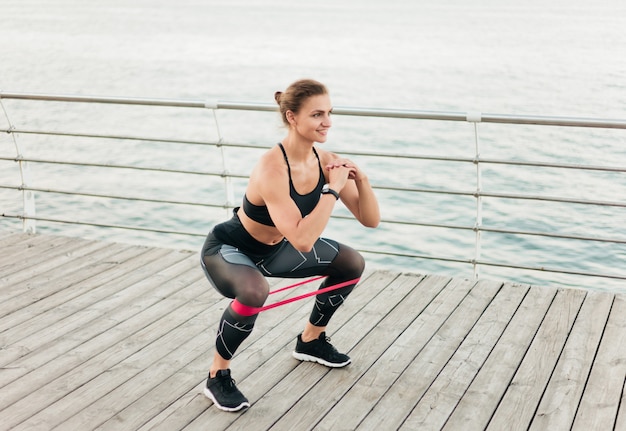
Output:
(233, 255)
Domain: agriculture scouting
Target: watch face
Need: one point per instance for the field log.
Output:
(325, 188)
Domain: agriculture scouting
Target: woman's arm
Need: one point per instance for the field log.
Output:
(363, 204)
(357, 195)
(271, 179)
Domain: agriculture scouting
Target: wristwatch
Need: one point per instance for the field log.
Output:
(326, 190)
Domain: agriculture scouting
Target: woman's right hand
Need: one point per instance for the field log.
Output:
(338, 174)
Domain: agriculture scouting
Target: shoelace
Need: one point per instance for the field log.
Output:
(227, 383)
(231, 383)
(330, 346)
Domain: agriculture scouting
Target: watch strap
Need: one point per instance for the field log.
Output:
(328, 190)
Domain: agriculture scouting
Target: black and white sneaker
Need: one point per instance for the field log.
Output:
(320, 351)
(222, 391)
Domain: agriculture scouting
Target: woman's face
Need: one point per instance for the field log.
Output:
(313, 120)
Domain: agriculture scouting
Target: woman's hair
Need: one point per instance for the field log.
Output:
(295, 95)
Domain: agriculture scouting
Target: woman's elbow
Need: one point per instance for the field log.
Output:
(372, 223)
(303, 246)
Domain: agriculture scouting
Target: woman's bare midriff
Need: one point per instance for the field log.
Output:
(262, 233)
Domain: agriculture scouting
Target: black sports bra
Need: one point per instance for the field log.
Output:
(306, 203)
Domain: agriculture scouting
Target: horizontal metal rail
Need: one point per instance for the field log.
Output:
(112, 196)
(113, 137)
(118, 166)
(106, 225)
(365, 112)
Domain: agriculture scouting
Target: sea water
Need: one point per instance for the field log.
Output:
(562, 58)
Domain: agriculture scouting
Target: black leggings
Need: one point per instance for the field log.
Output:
(241, 276)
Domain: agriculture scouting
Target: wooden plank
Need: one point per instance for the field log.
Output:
(6, 235)
(18, 257)
(128, 266)
(178, 389)
(40, 295)
(84, 303)
(357, 395)
(45, 293)
(518, 406)
(433, 410)
(372, 388)
(599, 405)
(413, 382)
(16, 241)
(100, 351)
(479, 402)
(111, 391)
(20, 240)
(91, 383)
(620, 422)
(562, 396)
(70, 269)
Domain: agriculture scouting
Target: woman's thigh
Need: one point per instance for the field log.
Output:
(234, 275)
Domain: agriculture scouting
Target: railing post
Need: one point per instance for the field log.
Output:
(228, 185)
(28, 196)
(476, 117)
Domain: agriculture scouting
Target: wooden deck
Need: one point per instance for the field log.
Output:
(108, 336)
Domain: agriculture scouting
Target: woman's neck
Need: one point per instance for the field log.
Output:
(298, 150)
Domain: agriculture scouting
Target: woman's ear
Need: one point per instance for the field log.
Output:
(291, 117)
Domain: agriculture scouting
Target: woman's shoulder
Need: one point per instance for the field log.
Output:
(271, 163)
(325, 156)
(272, 157)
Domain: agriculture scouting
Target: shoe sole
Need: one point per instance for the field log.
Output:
(309, 358)
(240, 407)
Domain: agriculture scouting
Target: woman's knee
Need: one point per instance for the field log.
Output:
(360, 263)
(348, 264)
(351, 261)
(252, 291)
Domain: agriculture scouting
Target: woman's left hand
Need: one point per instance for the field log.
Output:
(355, 172)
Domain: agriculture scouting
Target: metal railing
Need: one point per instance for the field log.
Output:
(29, 216)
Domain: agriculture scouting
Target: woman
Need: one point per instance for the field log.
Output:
(276, 233)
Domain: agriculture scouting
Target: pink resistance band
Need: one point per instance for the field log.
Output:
(245, 310)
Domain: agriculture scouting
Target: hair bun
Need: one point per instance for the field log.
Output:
(277, 96)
